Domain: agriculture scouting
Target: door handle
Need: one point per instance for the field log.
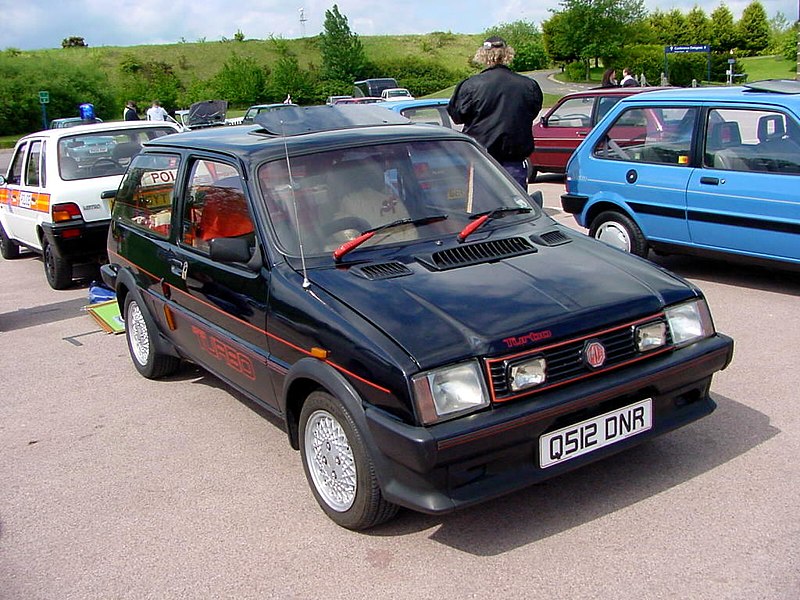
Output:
(710, 180)
(178, 267)
(582, 133)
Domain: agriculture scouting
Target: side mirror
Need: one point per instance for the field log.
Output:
(537, 198)
(3, 180)
(230, 250)
(543, 121)
(108, 194)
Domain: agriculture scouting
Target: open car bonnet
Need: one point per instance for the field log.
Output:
(206, 113)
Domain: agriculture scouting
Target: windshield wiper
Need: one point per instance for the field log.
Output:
(495, 213)
(366, 235)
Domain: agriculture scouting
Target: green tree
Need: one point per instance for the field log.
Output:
(74, 42)
(754, 31)
(241, 80)
(724, 34)
(288, 78)
(343, 57)
(698, 26)
(148, 81)
(526, 39)
(23, 76)
(596, 29)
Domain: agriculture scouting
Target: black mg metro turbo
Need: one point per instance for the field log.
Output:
(429, 336)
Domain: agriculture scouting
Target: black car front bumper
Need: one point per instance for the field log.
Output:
(489, 454)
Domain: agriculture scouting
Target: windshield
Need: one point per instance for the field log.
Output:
(341, 194)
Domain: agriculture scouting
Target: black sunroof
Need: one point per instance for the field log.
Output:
(297, 120)
(777, 86)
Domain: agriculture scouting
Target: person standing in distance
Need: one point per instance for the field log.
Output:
(130, 114)
(156, 112)
(497, 108)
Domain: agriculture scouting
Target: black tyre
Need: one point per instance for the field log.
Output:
(338, 465)
(142, 346)
(57, 270)
(9, 249)
(619, 230)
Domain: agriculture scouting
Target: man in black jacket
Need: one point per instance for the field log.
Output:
(497, 107)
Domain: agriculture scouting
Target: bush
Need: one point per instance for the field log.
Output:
(420, 76)
(575, 71)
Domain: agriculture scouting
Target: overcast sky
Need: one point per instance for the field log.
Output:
(34, 24)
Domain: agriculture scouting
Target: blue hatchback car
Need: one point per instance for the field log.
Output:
(701, 171)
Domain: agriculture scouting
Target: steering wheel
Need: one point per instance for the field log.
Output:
(105, 165)
(342, 230)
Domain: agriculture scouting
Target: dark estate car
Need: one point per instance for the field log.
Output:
(427, 334)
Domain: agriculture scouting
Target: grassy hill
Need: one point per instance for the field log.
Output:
(201, 60)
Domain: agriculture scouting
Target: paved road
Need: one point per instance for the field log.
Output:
(550, 85)
(114, 486)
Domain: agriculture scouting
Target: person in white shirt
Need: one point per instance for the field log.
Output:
(627, 79)
(156, 112)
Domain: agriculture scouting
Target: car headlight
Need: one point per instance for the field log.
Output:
(449, 392)
(689, 322)
(650, 336)
(527, 374)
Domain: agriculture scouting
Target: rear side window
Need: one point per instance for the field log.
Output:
(34, 171)
(650, 135)
(752, 140)
(145, 198)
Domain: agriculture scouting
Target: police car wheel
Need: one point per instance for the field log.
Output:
(142, 345)
(9, 249)
(338, 465)
(57, 270)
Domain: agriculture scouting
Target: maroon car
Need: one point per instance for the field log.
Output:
(559, 132)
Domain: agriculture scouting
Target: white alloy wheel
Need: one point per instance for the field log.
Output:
(330, 461)
(138, 335)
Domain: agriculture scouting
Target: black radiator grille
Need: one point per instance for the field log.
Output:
(565, 360)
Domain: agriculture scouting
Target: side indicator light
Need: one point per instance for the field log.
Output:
(170, 317)
(319, 353)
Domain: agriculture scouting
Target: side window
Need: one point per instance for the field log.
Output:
(604, 104)
(15, 172)
(650, 135)
(575, 112)
(752, 140)
(147, 192)
(33, 170)
(216, 206)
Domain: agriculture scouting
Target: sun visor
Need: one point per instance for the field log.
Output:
(297, 120)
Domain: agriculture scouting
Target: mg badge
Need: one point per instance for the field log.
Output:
(594, 354)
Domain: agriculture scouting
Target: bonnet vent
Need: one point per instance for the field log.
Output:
(381, 271)
(471, 254)
(551, 238)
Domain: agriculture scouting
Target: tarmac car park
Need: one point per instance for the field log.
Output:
(428, 336)
(50, 198)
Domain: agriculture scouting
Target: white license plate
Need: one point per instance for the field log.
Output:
(598, 432)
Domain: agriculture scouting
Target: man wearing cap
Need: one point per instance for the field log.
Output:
(497, 107)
